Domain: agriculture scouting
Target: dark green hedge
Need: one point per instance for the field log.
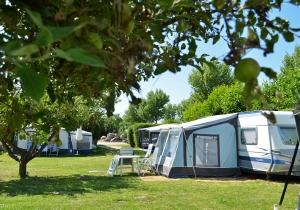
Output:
(133, 133)
(130, 135)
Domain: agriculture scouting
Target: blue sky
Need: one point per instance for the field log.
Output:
(176, 85)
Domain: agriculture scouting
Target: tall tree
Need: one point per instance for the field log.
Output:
(223, 100)
(152, 108)
(203, 82)
(170, 115)
(283, 93)
(131, 116)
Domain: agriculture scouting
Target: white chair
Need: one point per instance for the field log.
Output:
(113, 166)
(145, 162)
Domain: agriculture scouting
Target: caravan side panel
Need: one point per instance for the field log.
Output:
(254, 154)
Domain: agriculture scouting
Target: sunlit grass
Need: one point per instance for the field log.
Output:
(80, 182)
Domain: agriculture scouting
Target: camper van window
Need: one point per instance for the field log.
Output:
(288, 135)
(249, 136)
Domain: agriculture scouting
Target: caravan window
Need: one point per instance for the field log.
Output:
(288, 135)
(249, 136)
(206, 151)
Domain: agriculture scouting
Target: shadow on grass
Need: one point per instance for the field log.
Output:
(71, 185)
(273, 178)
(99, 151)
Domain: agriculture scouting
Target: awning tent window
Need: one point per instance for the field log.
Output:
(171, 143)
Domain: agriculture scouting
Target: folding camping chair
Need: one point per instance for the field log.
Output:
(146, 162)
(127, 161)
(53, 150)
(113, 166)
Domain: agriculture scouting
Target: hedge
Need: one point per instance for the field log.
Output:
(130, 136)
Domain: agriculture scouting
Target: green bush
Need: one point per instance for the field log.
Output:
(130, 135)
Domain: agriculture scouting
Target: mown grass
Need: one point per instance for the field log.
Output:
(80, 182)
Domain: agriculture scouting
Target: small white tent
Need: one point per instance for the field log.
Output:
(69, 145)
(204, 147)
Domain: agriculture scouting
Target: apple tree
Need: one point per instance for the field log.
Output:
(101, 49)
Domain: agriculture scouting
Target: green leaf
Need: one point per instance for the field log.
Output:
(185, 3)
(216, 38)
(183, 46)
(160, 69)
(67, 125)
(199, 68)
(12, 46)
(156, 32)
(192, 46)
(275, 38)
(35, 16)
(80, 56)
(166, 3)
(51, 93)
(56, 3)
(264, 33)
(211, 65)
(252, 37)
(239, 26)
(182, 26)
(95, 40)
(26, 50)
(288, 36)
(33, 84)
(269, 72)
(169, 63)
(56, 33)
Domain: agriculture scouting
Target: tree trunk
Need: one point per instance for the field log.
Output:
(22, 167)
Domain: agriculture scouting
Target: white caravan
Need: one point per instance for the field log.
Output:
(222, 145)
(264, 147)
(69, 145)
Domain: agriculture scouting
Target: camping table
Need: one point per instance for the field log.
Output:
(132, 157)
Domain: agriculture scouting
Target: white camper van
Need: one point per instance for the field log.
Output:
(70, 145)
(264, 147)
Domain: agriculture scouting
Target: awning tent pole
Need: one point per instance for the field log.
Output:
(297, 120)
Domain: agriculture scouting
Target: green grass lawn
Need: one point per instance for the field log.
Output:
(80, 182)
